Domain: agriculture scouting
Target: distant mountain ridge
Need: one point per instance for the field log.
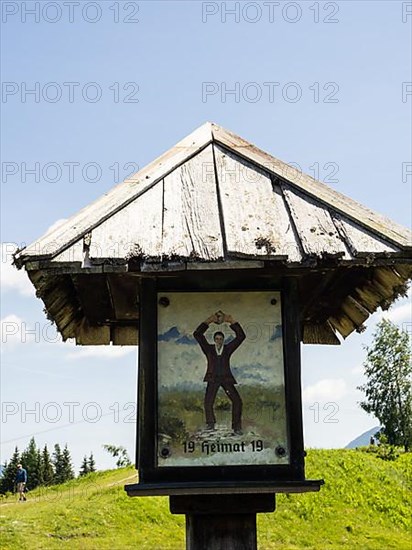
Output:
(363, 439)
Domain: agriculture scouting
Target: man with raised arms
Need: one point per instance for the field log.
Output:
(218, 371)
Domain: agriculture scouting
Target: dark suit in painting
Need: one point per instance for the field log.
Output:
(219, 374)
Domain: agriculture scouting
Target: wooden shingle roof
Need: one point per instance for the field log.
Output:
(216, 196)
(216, 201)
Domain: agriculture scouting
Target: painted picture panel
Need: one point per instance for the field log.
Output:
(221, 389)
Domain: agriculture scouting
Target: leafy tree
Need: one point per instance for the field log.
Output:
(388, 390)
(7, 482)
(91, 463)
(120, 453)
(47, 471)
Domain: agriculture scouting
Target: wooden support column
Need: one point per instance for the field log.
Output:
(222, 522)
(221, 532)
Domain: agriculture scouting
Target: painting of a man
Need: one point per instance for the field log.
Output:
(218, 371)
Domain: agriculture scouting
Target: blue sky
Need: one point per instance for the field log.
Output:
(330, 96)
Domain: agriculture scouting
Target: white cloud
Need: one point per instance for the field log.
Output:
(17, 331)
(12, 278)
(100, 352)
(328, 389)
(403, 311)
(399, 313)
(11, 326)
(357, 370)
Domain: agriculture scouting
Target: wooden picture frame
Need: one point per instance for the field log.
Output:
(150, 473)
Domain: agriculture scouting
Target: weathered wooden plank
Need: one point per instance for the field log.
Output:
(32, 266)
(57, 300)
(355, 311)
(359, 240)
(125, 336)
(72, 254)
(56, 294)
(62, 306)
(373, 294)
(227, 264)
(384, 291)
(64, 310)
(314, 290)
(319, 333)
(92, 335)
(246, 503)
(379, 224)
(343, 324)
(64, 315)
(316, 230)
(40, 280)
(124, 292)
(191, 225)
(290, 243)
(405, 270)
(55, 284)
(249, 207)
(117, 198)
(94, 296)
(388, 277)
(136, 230)
(159, 267)
(368, 297)
(69, 327)
(114, 268)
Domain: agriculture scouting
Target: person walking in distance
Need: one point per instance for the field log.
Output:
(21, 480)
(218, 371)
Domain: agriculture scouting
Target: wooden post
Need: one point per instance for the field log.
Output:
(221, 532)
(221, 522)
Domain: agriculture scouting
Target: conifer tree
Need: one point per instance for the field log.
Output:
(84, 468)
(40, 468)
(58, 465)
(47, 470)
(67, 465)
(30, 460)
(92, 463)
(2, 479)
(7, 482)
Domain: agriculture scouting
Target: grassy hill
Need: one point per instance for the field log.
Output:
(365, 504)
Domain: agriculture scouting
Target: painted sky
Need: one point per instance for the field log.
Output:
(90, 94)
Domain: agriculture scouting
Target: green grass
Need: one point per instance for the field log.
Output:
(365, 504)
(263, 411)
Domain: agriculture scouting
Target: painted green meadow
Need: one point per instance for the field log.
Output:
(365, 504)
